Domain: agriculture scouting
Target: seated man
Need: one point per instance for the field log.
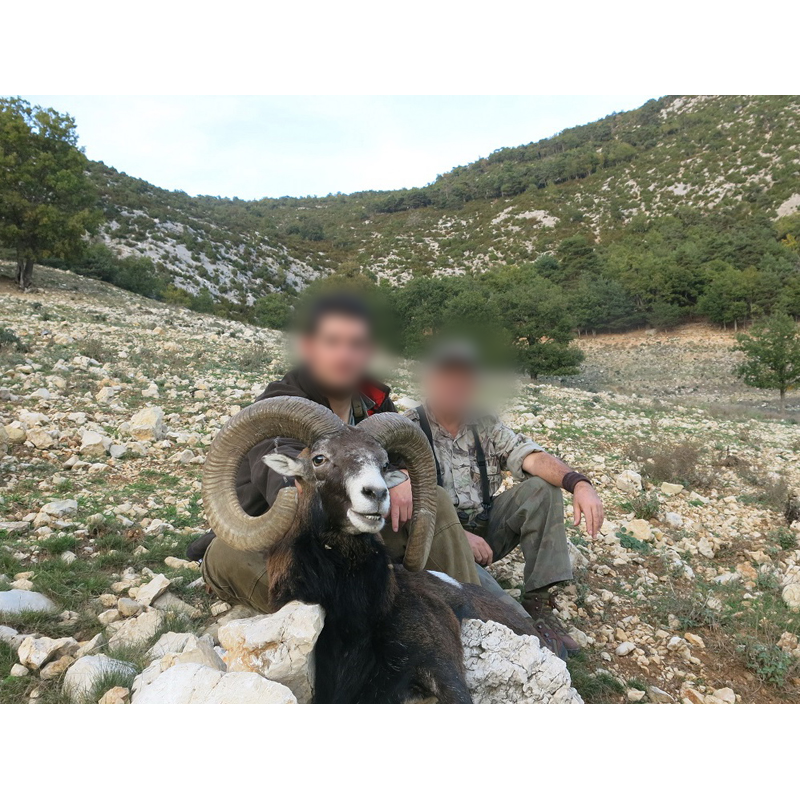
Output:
(471, 451)
(336, 347)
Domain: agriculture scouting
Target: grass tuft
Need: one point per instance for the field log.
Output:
(593, 685)
(644, 505)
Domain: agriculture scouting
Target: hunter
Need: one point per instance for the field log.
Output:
(336, 345)
(472, 451)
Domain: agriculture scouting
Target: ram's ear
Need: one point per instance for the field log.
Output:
(284, 465)
(394, 477)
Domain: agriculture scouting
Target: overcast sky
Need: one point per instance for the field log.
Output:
(253, 147)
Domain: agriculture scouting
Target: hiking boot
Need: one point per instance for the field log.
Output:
(551, 632)
(197, 548)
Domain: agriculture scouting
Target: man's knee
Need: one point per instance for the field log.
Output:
(236, 576)
(539, 490)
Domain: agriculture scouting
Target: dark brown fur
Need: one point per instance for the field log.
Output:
(390, 636)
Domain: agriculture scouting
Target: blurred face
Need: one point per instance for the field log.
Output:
(338, 354)
(450, 392)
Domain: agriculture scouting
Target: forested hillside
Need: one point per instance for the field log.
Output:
(686, 208)
(684, 205)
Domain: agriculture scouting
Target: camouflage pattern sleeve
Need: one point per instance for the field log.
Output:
(512, 448)
(412, 414)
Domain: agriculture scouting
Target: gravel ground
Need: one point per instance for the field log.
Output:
(108, 403)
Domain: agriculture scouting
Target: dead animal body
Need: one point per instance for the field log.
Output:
(392, 631)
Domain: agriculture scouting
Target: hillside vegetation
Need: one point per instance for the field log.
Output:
(686, 206)
(684, 209)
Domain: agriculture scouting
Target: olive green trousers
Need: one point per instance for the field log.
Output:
(531, 515)
(242, 578)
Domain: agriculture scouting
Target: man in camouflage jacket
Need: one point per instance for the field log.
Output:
(530, 513)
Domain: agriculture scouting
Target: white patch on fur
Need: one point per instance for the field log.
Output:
(368, 476)
(442, 576)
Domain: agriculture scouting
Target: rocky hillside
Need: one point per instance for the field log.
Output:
(109, 403)
(714, 154)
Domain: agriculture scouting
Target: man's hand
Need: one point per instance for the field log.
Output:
(586, 502)
(400, 504)
(480, 549)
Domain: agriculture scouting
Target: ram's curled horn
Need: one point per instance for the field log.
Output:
(400, 436)
(290, 417)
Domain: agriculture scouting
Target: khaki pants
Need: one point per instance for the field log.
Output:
(531, 515)
(242, 578)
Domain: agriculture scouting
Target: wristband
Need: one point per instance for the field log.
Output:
(572, 479)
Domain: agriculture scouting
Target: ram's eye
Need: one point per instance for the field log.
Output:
(318, 461)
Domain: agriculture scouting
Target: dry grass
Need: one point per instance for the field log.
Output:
(676, 462)
(769, 490)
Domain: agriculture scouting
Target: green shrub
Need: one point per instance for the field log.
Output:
(10, 341)
(768, 661)
(644, 506)
(632, 543)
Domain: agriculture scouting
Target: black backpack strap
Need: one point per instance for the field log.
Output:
(486, 490)
(426, 429)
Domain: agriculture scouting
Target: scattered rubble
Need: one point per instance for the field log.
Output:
(105, 421)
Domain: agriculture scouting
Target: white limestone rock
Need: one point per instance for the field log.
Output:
(172, 642)
(82, 677)
(93, 444)
(36, 652)
(8, 634)
(178, 648)
(148, 425)
(17, 601)
(128, 607)
(629, 482)
(91, 647)
(505, 668)
(60, 508)
(117, 450)
(106, 394)
(15, 432)
(40, 439)
(174, 605)
(278, 646)
(673, 519)
(625, 648)
(116, 696)
(137, 630)
(705, 547)
(791, 596)
(196, 683)
(640, 529)
(14, 526)
(150, 591)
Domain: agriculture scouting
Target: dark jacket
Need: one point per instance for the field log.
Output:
(256, 484)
